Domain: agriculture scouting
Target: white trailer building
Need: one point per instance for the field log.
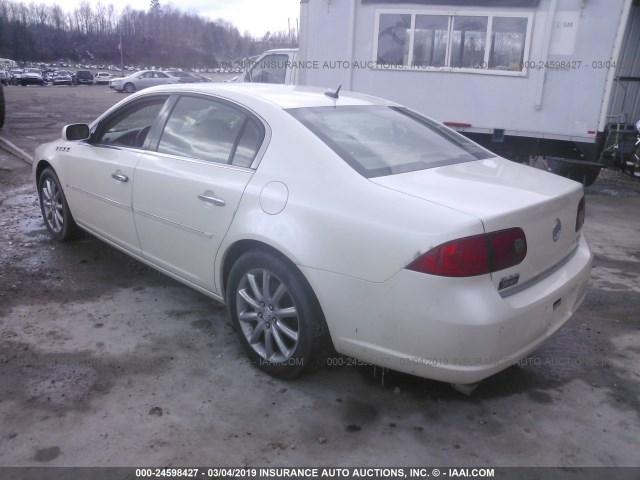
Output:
(522, 77)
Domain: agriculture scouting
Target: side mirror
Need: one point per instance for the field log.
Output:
(76, 131)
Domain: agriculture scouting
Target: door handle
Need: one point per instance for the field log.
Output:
(208, 197)
(120, 177)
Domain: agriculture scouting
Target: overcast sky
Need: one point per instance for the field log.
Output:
(256, 16)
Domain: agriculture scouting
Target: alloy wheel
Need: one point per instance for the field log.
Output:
(268, 315)
(52, 205)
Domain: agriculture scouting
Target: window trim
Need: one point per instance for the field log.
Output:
(451, 14)
(97, 128)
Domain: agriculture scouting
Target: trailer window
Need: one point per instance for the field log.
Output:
(508, 39)
(393, 39)
(469, 43)
(430, 40)
(378, 141)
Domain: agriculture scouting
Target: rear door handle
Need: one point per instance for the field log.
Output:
(209, 197)
(120, 177)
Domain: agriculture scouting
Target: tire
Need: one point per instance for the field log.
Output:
(283, 336)
(55, 210)
(2, 107)
(129, 88)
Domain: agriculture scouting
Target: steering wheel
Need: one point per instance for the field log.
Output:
(141, 136)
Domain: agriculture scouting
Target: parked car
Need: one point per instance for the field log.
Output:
(16, 76)
(184, 77)
(202, 78)
(328, 220)
(140, 80)
(32, 76)
(103, 78)
(62, 77)
(84, 77)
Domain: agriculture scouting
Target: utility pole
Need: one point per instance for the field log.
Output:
(121, 56)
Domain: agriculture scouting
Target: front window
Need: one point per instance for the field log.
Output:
(271, 69)
(129, 126)
(379, 141)
(470, 43)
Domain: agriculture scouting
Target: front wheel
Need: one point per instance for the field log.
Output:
(277, 316)
(129, 88)
(54, 207)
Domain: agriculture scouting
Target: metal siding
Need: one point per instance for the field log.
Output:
(572, 99)
(464, 3)
(625, 100)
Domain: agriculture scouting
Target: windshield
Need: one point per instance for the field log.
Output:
(378, 141)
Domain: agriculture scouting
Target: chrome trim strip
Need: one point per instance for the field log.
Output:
(541, 276)
(106, 200)
(173, 224)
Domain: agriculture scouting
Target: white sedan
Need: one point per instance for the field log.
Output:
(103, 78)
(139, 80)
(328, 220)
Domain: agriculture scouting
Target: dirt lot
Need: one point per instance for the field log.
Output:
(104, 362)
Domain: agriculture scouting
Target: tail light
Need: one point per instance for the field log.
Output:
(476, 255)
(581, 213)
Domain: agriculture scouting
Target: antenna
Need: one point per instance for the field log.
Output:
(331, 94)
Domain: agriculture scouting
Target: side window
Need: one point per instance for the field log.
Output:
(209, 130)
(249, 143)
(271, 69)
(129, 126)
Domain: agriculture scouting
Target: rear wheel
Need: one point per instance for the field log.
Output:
(129, 88)
(54, 207)
(277, 316)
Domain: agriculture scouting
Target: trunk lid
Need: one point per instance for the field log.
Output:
(503, 194)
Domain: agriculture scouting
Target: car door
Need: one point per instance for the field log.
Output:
(100, 172)
(144, 80)
(160, 78)
(187, 191)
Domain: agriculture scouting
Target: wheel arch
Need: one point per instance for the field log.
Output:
(239, 248)
(40, 167)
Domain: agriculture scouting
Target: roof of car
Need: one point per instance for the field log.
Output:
(283, 96)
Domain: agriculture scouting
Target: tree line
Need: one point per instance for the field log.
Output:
(163, 35)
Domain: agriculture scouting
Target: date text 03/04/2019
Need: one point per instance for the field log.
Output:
(315, 472)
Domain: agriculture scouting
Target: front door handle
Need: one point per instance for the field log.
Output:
(118, 176)
(209, 197)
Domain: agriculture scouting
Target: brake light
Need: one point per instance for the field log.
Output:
(582, 210)
(475, 255)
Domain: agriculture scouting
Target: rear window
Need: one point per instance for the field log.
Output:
(378, 141)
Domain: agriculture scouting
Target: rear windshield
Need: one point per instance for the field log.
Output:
(378, 140)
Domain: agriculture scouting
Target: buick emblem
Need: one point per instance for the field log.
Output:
(557, 228)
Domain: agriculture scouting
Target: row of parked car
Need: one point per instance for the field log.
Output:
(130, 83)
(36, 76)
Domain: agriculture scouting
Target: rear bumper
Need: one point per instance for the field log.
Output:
(453, 330)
